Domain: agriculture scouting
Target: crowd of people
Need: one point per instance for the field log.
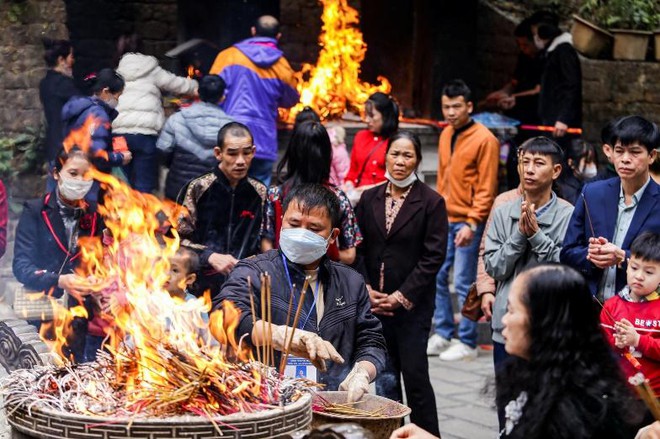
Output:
(375, 245)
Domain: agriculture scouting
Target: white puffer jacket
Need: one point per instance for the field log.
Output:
(140, 105)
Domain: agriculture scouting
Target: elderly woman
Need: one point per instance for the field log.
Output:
(404, 226)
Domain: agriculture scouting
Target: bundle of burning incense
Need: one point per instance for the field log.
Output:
(96, 388)
(646, 393)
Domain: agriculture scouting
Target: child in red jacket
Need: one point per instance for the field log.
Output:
(636, 312)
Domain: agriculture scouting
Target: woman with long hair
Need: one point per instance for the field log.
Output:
(55, 89)
(307, 160)
(562, 381)
(368, 153)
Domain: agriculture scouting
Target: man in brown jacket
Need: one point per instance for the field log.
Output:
(468, 156)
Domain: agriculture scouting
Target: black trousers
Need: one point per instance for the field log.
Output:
(406, 335)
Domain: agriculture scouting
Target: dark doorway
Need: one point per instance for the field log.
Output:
(221, 22)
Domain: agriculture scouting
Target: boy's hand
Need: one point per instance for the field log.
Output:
(626, 334)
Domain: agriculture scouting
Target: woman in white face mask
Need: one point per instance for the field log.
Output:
(98, 112)
(46, 250)
(404, 227)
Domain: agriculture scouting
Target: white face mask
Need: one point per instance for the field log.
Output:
(112, 102)
(401, 183)
(538, 42)
(589, 171)
(302, 246)
(73, 189)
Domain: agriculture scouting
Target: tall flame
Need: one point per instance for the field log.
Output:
(128, 268)
(333, 85)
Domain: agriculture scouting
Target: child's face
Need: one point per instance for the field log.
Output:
(643, 276)
(179, 276)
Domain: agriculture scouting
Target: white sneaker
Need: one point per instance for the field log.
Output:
(437, 344)
(459, 352)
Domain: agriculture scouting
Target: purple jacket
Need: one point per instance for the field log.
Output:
(259, 80)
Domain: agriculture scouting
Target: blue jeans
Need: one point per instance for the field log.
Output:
(464, 261)
(262, 170)
(142, 171)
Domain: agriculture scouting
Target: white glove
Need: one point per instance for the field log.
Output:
(306, 344)
(356, 383)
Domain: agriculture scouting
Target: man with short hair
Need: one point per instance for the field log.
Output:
(527, 230)
(224, 209)
(189, 137)
(335, 323)
(467, 179)
(609, 214)
(259, 80)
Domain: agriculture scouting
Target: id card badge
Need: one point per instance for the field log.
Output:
(297, 367)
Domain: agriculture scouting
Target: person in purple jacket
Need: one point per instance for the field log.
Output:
(259, 80)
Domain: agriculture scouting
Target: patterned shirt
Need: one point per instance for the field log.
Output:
(349, 234)
(393, 205)
(623, 220)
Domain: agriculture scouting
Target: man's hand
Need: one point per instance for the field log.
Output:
(464, 236)
(507, 103)
(127, 156)
(487, 301)
(528, 224)
(222, 263)
(77, 286)
(649, 432)
(356, 383)
(626, 334)
(560, 129)
(604, 254)
(411, 431)
(305, 344)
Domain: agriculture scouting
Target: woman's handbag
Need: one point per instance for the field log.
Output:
(472, 305)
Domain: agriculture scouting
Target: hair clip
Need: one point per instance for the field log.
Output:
(90, 76)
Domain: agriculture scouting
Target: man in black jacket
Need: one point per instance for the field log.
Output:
(335, 320)
(224, 209)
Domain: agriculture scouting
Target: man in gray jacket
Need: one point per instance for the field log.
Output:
(527, 230)
(187, 140)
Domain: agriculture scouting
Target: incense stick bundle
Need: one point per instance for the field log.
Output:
(521, 174)
(646, 393)
(296, 318)
(254, 315)
(286, 327)
(264, 340)
(271, 352)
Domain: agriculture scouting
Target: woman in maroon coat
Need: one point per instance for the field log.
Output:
(404, 227)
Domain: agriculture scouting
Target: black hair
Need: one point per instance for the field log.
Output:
(64, 155)
(267, 26)
(646, 246)
(308, 157)
(211, 88)
(307, 114)
(543, 146)
(127, 43)
(572, 380)
(543, 16)
(524, 30)
(192, 259)
(578, 149)
(389, 110)
(410, 136)
(606, 131)
(106, 78)
(310, 196)
(53, 49)
(636, 129)
(456, 88)
(234, 129)
(548, 31)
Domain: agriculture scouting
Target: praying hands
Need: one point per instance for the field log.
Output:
(528, 225)
(625, 335)
(604, 254)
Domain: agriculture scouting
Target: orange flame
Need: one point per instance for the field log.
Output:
(128, 271)
(333, 85)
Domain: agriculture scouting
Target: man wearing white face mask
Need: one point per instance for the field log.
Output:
(336, 325)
